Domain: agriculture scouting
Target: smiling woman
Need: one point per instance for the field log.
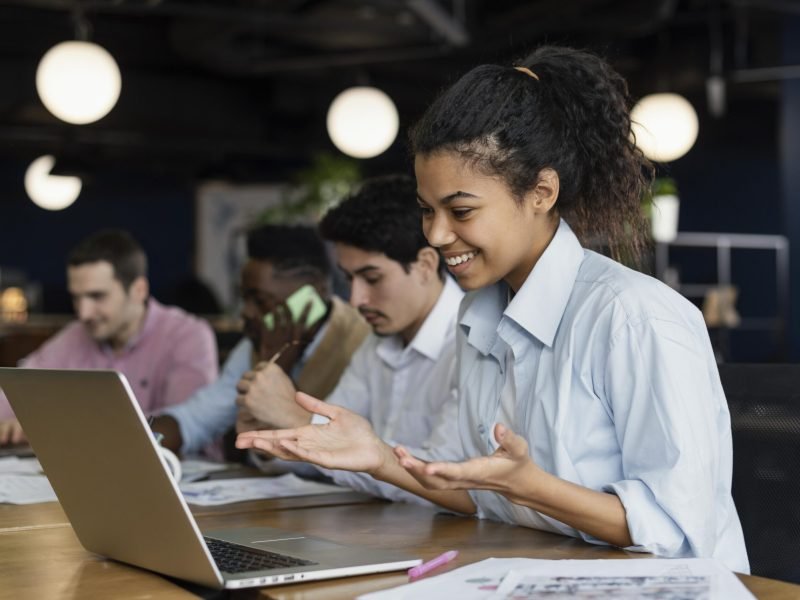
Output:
(470, 216)
(607, 373)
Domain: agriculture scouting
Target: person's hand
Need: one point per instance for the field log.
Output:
(501, 471)
(346, 442)
(11, 433)
(245, 421)
(267, 394)
(283, 343)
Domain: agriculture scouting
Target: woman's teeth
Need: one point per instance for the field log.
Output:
(461, 258)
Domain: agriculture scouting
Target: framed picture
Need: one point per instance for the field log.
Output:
(224, 212)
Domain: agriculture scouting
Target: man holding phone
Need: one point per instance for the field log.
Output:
(290, 319)
(401, 379)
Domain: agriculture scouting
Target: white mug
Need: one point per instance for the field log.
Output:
(172, 462)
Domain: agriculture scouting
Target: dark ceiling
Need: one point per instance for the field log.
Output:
(239, 89)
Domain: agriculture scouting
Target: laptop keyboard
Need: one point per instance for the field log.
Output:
(233, 558)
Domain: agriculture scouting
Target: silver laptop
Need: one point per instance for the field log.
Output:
(97, 451)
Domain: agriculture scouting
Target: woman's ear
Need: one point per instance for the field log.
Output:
(428, 262)
(544, 194)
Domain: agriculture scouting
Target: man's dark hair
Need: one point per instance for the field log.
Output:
(383, 215)
(114, 246)
(289, 247)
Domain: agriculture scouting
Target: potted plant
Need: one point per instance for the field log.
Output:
(662, 207)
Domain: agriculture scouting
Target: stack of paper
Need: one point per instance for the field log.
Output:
(22, 483)
(193, 469)
(25, 489)
(13, 465)
(530, 579)
(225, 491)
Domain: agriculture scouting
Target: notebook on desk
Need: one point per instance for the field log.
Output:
(94, 445)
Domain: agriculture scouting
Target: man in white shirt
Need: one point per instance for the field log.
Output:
(402, 378)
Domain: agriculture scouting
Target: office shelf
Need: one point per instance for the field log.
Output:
(724, 243)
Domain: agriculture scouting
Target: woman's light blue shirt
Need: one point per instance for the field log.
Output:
(617, 390)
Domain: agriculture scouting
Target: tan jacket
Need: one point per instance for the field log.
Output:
(346, 330)
(344, 334)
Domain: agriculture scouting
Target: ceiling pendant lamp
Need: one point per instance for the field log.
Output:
(362, 121)
(51, 192)
(665, 126)
(78, 81)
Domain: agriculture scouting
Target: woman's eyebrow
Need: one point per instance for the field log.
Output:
(450, 197)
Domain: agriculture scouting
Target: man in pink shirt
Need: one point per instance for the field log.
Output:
(165, 353)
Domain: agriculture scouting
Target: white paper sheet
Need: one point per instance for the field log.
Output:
(476, 581)
(226, 491)
(193, 469)
(25, 489)
(19, 466)
(523, 579)
(519, 586)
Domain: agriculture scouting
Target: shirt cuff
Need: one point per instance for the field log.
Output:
(650, 527)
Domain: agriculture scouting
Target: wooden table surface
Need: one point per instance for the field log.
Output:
(40, 557)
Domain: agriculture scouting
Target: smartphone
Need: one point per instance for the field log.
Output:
(297, 303)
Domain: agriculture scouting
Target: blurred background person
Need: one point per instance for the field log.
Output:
(165, 353)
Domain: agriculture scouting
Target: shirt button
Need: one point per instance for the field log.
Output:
(481, 428)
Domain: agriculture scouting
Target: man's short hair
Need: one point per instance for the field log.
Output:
(114, 246)
(289, 247)
(383, 215)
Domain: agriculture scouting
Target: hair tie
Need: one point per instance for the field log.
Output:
(527, 71)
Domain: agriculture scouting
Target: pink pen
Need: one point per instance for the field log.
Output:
(424, 568)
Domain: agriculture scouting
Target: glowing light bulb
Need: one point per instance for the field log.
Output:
(51, 192)
(79, 82)
(665, 126)
(362, 121)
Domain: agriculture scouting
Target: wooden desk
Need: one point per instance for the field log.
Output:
(45, 560)
(50, 514)
(17, 340)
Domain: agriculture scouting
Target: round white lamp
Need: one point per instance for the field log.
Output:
(362, 121)
(665, 126)
(51, 192)
(79, 82)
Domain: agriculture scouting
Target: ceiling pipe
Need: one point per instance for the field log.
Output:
(440, 21)
(765, 74)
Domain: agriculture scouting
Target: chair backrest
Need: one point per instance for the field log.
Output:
(764, 401)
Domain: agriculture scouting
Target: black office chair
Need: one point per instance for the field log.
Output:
(764, 401)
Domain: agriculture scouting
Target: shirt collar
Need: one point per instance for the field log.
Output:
(538, 305)
(482, 311)
(541, 301)
(435, 330)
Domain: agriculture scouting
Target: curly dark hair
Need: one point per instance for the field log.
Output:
(289, 247)
(572, 116)
(114, 246)
(383, 215)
